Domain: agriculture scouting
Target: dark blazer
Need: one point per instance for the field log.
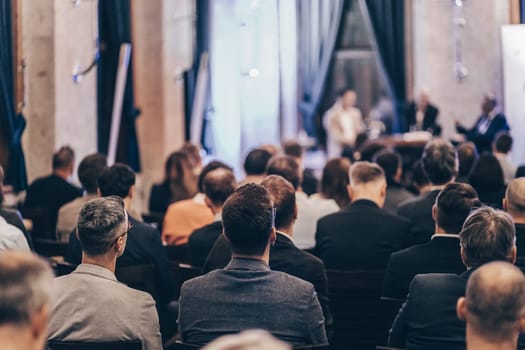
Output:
(201, 241)
(160, 198)
(13, 217)
(247, 295)
(520, 239)
(484, 140)
(361, 236)
(395, 195)
(440, 255)
(429, 120)
(143, 247)
(419, 212)
(284, 257)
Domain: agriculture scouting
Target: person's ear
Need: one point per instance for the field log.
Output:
(522, 324)
(295, 211)
(350, 191)
(207, 201)
(98, 192)
(463, 257)
(514, 254)
(39, 322)
(273, 236)
(461, 309)
(383, 190)
(76, 234)
(434, 213)
(131, 192)
(504, 204)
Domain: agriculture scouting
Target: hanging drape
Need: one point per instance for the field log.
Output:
(114, 30)
(387, 20)
(318, 26)
(12, 124)
(522, 11)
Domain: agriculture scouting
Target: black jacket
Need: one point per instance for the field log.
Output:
(419, 212)
(201, 241)
(484, 140)
(429, 120)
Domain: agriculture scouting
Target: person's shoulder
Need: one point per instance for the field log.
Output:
(410, 203)
(291, 283)
(435, 281)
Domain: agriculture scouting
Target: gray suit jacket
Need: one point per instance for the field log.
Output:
(246, 295)
(91, 305)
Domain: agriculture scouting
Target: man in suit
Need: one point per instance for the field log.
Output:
(428, 320)
(284, 255)
(494, 307)
(218, 186)
(440, 163)
(91, 296)
(47, 194)
(255, 165)
(363, 235)
(26, 292)
(487, 126)
(294, 149)
(247, 294)
(440, 254)
(514, 204)
(422, 115)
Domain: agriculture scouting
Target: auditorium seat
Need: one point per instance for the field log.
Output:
(181, 273)
(177, 253)
(141, 277)
(50, 248)
(118, 345)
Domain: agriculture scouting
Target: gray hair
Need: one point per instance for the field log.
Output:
(440, 161)
(515, 196)
(99, 223)
(25, 286)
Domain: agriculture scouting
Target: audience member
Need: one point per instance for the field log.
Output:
(284, 254)
(419, 182)
(25, 298)
(218, 185)
(487, 126)
(467, 156)
(47, 194)
(440, 164)
(183, 217)
(521, 171)
(294, 149)
(501, 149)
(421, 115)
(193, 152)
(88, 171)
(514, 205)
(440, 254)
(255, 165)
(392, 165)
(11, 238)
(494, 307)
(487, 179)
(248, 340)
(427, 320)
(363, 235)
(91, 304)
(247, 294)
(179, 183)
(334, 184)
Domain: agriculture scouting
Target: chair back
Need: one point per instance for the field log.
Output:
(178, 345)
(177, 253)
(181, 273)
(118, 345)
(141, 277)
(63, 268)
(50, 248)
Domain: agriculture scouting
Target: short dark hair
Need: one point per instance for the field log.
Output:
(218, 185)
(287, 167)
(335, 181)
(247, 219)
(486, 173)
(503, 142)
(116, 180)
(467, 155)
(390, 161)
(292, 148)
(283, 197)
(211, 166)
(90, 169)
(440, 161)
(487, 235)
(256, 161)
(419, 177)
(99, 223)
(63, 158)
(454, 203)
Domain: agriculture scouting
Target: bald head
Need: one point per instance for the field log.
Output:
(494, 303)
(514, 201)
(218, 185)
(367, 181)
(283, 197)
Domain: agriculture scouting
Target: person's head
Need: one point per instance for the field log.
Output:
(348, 98)
(211, 166)
(335, 181)
(487, 235)
(256, 161)
(423, 98)
(248, 220)
(467, 155)
(102, 227)
(292, 148)
(419, 179)
(26, 292)
(283, 196)
(494, 304)
(64, 160)
(194, 155)
(488, 103)
(453, 204)
(367, 181)
(486, 173)
(287, 167)
(180, 176)
(117, 180)
(440, 162)
(503, 142)
(248, 340)
(391, 163)
(90, 169)
(218, 185)
(514, 201)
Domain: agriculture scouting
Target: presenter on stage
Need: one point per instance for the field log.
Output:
(421, 115)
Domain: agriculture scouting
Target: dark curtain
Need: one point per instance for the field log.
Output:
(318, 25)
(114, 30)
(12, 124)
(522, 11)
(388, 20)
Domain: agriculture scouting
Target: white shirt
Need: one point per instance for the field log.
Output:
(342, 127)
(11, 238)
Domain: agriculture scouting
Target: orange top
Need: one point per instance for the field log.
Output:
(183, 217)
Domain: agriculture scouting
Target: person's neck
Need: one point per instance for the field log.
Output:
(286, 230)
(475, 342)
(62, 173)
(376, 200)
(15, 338)
(127, 202)
(518, 219)
(437, 187)
(216, 210)
(106, 261)
(265, 257)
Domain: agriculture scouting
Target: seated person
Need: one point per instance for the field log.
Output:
(293, 148)
(91, 296)
(255, 165)
(501, 149)
(247, 294)
(487, 179)
(421, 115)
(248, 340)
(467, 156)
(514, 205)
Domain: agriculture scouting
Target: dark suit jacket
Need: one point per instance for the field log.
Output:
(160, 198)
(247, 295)
(419, 212)
(44, 197)
(284, 257)
(143, 247)
(201, 241)
(395, 195)
(484, 140)
(361, 236)
(13, 217)
(440, 255)
(429, 120)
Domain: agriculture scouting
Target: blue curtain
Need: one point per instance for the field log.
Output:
(12, 124)
(114, 30)
(522, 11)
